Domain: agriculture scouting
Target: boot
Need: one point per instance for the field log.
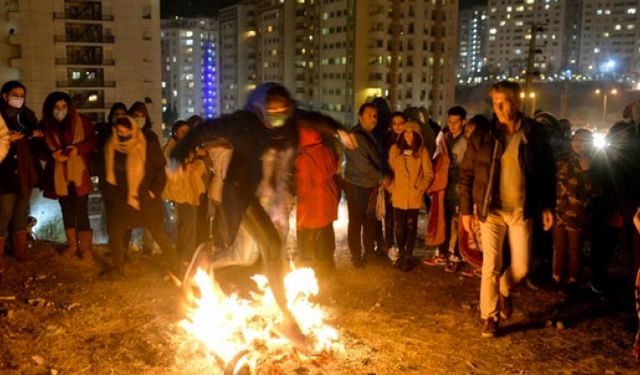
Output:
(2, 240)
(20, 246)
(72, 243)
(86, 250)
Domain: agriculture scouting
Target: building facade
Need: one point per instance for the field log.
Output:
(472, 41)
(347, 53)
(190, 67)
(100, 52)
(237, 31)
(510, 24)
(610, 40)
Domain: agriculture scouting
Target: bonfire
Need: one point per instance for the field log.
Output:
(241, 333)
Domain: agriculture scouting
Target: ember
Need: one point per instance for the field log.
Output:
(242, 332)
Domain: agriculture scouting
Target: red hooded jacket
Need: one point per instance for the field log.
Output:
(316, 188)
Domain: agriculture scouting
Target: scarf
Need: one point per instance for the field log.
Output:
(73, 169)
(136, 151)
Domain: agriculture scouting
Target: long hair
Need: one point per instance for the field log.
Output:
(415, 147)
(50, 123)
(116, 106)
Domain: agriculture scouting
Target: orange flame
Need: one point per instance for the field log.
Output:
(228, 325)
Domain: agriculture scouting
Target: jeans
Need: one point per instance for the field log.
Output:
(495, 280)
(14, 209)
(362, 224)
(450, 244)
(75, 210)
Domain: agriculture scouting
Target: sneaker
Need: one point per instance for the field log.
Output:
(452, 267)
(506, 307)
(436, 260)
(490, 328)
(471, 272)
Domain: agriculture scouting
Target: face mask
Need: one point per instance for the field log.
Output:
(59, 114)
(124, 138)
(15, 102)
(142, 121)
(277, 120)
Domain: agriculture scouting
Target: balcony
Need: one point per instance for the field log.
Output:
(84, 61)
(86, 83)
(76, 16)
(84, 39)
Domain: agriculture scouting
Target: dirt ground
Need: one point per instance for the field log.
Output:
(66, 320)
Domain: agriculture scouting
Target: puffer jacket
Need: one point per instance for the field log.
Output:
(315, 184)
(412, 173)
(479, 173)
(188, 188)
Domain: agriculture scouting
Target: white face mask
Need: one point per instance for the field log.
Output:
(59, 114)
(15, 102)
(142, 121)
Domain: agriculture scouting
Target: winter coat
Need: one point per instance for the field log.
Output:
(117, 196)
(188, 188)
(479, 175)
(315, 184)
(363, 166)
(412, 173)
(76, 169)
(19, 170)
(574, 189)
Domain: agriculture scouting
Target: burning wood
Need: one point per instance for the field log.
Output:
(241, 333)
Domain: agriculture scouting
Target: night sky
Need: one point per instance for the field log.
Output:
(211, 7)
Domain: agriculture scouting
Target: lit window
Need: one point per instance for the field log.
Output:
(618, 27)
(631, 11)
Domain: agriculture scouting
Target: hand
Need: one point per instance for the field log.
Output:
(15, 136)
(37, 134)
(547, 220)
(59, 156)
(348, 139)
(636, 221)
(153, 196)
(466, 223)
(73, 151)
(386, 182)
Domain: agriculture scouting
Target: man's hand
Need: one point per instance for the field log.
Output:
(466, 222)
(73, 151)
(348, 139)
(59, 156)
(37, 134)
(15, 136)
(547, 220)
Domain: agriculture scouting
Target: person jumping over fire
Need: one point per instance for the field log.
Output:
(252, 182)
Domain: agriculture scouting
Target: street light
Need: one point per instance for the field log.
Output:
(604, 102)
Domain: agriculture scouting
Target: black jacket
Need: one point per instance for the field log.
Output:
(480, 170)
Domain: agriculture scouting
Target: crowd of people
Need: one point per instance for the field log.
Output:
(501, 195)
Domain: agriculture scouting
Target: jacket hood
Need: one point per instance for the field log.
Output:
(413, 126)
(309, 137)
(257, 101)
